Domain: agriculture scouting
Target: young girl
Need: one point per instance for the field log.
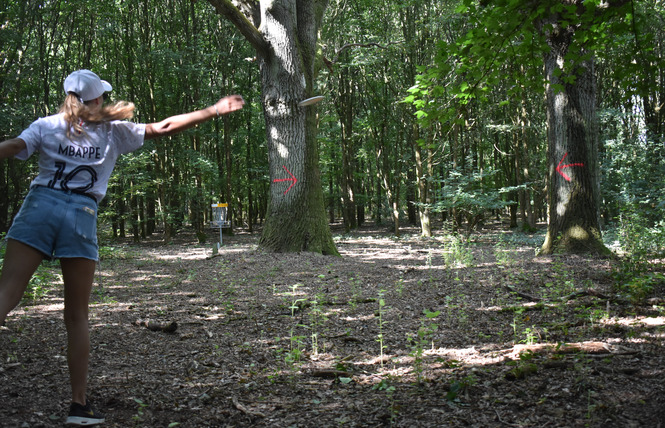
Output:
(78, 148)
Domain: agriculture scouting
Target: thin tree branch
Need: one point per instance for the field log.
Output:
(242, 22)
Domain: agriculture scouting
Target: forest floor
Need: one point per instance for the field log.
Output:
(403, 332)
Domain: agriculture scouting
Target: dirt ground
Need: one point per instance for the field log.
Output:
(403, 332)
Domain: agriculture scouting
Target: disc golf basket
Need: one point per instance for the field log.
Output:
(219, 220)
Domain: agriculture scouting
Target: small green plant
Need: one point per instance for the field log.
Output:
(102, 295)
(3, 243)
(455, 309)
(295, 302)
(41, 282)
(562, 284)
(293, 355)
(591, 406)
(502, 253)
(386, 386)
(458, 387)
(317, 320)
(399, 286)
(423, 338)
(457, 253)
(140, 410)
(523, 367)
(517, 323)
(296, 342)
(636, 275)
(531, 335)
(356, 291)
(639, 287)
(381, 313)
(595, 314)
(430, 270)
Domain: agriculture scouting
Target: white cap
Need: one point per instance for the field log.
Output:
(86, 85)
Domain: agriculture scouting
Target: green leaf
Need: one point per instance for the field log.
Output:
(461, 8)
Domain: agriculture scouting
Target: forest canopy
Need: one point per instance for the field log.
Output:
(425, 102)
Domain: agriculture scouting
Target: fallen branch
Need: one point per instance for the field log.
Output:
(166, 327)
(570, 348)
(523, 295)
(528, 307)
(582, 293)
(498, 417)
(571, 296)
(245, 410)
(329, 373)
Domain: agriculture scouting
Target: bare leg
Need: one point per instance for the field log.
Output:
(21, 261)
(78, 274)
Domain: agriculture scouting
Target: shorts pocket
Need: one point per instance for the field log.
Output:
(86, 223)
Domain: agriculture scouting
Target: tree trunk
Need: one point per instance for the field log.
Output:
(573, 182)
(345, 110)
(4, 202)
(522, 152)
(285, 43)
(251, 216)
(228, 173)
(422, 185)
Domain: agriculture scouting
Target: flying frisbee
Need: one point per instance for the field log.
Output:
(310, 101)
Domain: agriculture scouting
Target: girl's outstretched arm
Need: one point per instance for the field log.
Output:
(181, 122)
(12, 147)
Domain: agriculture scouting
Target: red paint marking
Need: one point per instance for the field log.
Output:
(560, 167)
(293, 179)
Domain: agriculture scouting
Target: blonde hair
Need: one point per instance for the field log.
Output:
(77, 112)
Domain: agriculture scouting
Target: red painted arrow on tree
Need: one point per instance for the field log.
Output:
(560, 167)
(293, 179)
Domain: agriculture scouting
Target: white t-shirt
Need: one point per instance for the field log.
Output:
(82, 163)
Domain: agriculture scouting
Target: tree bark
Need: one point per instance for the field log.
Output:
(345, 112)
(422, 173)
(526, 208)
(573, 179)
(285, 43)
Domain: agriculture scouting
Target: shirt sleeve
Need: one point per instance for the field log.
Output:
(33, 138)
(128, 136)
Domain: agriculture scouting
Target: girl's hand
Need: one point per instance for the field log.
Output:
(229, 104)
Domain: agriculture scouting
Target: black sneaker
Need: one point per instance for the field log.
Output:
(83, 416)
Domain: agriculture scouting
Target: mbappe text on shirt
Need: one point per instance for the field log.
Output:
(80, 152)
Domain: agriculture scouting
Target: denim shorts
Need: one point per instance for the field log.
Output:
(59, 224)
